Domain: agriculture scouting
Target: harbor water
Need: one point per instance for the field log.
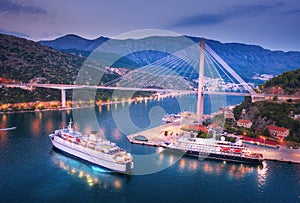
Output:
(30, 170)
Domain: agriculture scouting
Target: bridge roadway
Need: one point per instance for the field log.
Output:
(68, 87)
(61, 86)
(64, 87)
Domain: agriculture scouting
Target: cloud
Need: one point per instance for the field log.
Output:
(206, 19)
(15, 8)
(252, 10)
(294, 11)
(231, 12)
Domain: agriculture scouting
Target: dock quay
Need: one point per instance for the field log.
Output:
(157, 137)
(282, 154)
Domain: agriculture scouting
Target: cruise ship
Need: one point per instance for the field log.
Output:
(214, 149)
(92, 148)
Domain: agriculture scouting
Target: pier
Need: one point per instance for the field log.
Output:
(156, 137)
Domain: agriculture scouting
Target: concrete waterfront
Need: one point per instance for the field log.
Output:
(282, 154)
(157, 137)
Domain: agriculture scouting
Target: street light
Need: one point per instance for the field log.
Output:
(264, 140)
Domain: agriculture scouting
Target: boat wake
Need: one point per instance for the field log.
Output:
(101, 170)
(5, 129)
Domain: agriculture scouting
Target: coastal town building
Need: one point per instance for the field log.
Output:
(195, 128)
(259, 141)
(278, 132)
(213, 126)
(297, 117)
(244, 112)
(229, 114)
(244, 123)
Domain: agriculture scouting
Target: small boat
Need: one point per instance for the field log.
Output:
(5, 129)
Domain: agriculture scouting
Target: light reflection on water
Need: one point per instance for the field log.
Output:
(3, 134)
(36, 127)
(4, 117)
(217, 167)
(40, 115)
(49, 127)
(221, 168)
(94, 176)
(171, 159)
(262, 173)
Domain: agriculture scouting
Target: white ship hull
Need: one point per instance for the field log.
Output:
(90, 155)
(220, 150)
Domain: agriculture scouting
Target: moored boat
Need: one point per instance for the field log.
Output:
(213, 149)
(92, 148)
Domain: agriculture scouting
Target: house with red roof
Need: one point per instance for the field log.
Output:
(196, 128)
(259, 141)
(244, 123)
(229, 114)
(213, 126)
(278, 132)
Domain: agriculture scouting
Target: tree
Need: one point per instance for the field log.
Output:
(275, 98)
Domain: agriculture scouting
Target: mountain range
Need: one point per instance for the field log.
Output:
(60, 60)
(23, 59)
(249, 61)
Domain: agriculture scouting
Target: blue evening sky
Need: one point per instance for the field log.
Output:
(272, 24)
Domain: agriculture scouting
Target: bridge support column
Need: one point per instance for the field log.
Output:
(257, 97)
(63, 98)
(200, 101)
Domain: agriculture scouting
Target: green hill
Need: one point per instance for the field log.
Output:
(264, 113)
(288, 81)
(279, 113)
(23, 60)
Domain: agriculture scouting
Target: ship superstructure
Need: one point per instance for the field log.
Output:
(214, 149)
(92, 148)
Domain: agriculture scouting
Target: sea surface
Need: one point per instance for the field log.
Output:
(31, 171)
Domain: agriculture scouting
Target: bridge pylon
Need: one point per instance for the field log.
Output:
(200, 101)
(63, 98)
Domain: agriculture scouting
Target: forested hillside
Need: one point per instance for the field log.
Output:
(288, 81)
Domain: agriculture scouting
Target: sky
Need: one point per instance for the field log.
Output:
(272, 24)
